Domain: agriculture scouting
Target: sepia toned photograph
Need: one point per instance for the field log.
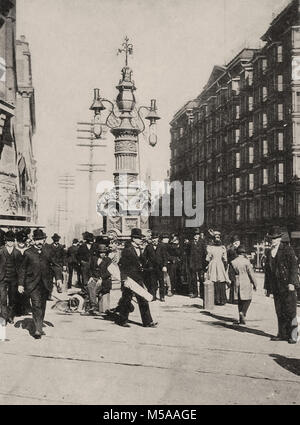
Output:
(149, 205)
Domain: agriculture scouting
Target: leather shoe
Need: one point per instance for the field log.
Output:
(151, 325)
(277, 338)
(37, 335)
(292, 341)
(162, 300)
(123, 324)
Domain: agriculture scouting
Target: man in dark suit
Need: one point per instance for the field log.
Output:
(23, 303)
(281, 280)
(84, 255)
(152, 266)
(174, 264)
(59, 256)
(35, 278)
(10, 260)
(197, 265)
(131, 265)
(73, 262)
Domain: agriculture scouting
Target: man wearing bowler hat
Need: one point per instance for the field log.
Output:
(73, 262)
(23, 304)
(10, 260)
(281, 280)
(59, 255)
(35, 278)
(131, 265)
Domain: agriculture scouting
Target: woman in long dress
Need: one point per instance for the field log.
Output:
(217, 258)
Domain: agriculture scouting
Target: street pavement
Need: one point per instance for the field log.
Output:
(192, 357)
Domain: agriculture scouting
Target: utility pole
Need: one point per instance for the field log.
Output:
(90, 167)
(66, 182)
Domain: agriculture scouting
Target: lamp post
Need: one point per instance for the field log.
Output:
(126, 123)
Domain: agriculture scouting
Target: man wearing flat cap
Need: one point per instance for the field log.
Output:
(10, 261)
(281, 280)
(131, 265)
(35, 278)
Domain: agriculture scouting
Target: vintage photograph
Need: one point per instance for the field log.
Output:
(149, 204)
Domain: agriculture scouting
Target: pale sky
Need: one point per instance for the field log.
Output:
(73, 45)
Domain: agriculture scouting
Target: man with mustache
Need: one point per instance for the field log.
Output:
(35, 278)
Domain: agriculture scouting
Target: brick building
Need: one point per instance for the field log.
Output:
(241, 136)
(17, 124)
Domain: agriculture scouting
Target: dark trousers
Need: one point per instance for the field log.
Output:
(3, 300)
(174, 276)
(125, 307)
(71, 268)
(286, 311)
(151, 281)
(38, 299)
(162, 285)
(243, 306)
(193, 287)
(12, 299)
(86, 274)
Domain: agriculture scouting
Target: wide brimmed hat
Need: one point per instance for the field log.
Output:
(10, 236)
(241, 250)
(21, 236)
(154, 234)
(235, 238)
(136, 233)
(38, 234)
(87, 236)
(165, 235)
(275, 232)
(55, 237)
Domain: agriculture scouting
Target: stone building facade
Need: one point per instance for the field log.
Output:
(17, 124)
(241, 136)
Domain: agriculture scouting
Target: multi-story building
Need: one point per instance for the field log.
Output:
(241, 136)
(17, 125)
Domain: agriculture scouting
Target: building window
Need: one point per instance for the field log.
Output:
(236, 87)
(280, 83)
(279, 54)
(281, 205)
(251, 181)
(298, 203)
(237, 112)
(250, 103)
(181, 131)
(265, 176)
(251, 154)
(238, 213)
(250, 129)
(265, 120)
(237, 160)
(280, 141)
(280, 112)
(297, 106)
(265, 147)
(280, 173)
(237, 184)
(264, 94)
(237, 135)
(264, 65)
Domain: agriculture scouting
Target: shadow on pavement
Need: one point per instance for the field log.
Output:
(113, 317)
(241, 329)
(28, 325)
(194, 306)
(216, 316)
(292, 365)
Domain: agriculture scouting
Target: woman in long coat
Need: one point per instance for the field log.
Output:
(217, 258)
(243, 283)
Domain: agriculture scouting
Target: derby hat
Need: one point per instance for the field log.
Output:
(165, 235)
(38, 234)
(235, 238)
(88, 237)
(136, 233)
(275, 232)
(55, 237)
(21, 236)
(154, 234)
(10, 236)
(75, 240)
